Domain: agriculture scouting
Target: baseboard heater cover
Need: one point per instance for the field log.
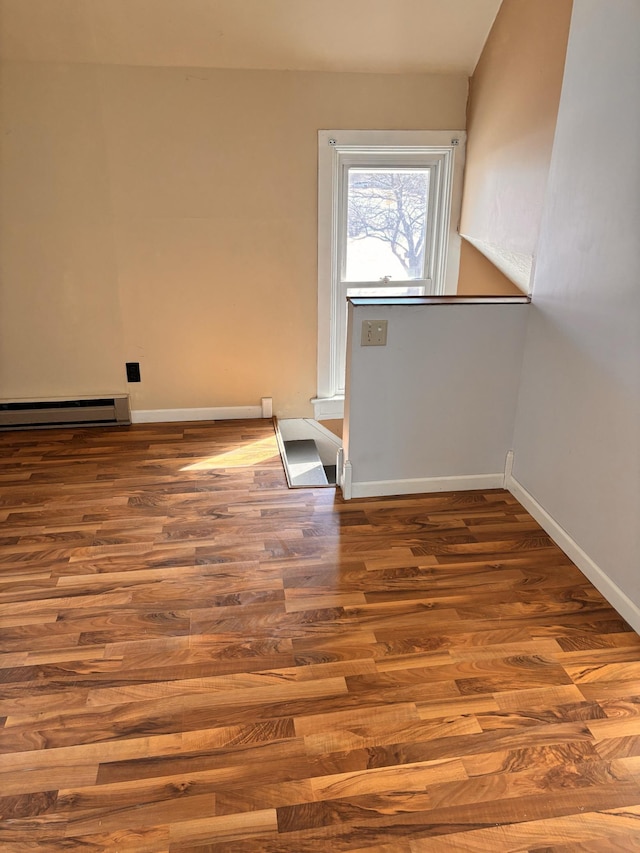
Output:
(40, 414)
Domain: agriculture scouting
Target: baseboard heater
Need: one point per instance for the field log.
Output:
(40, 414)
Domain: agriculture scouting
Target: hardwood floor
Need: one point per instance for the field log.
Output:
(194, 658)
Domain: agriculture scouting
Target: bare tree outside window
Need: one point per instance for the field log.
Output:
(387, 215)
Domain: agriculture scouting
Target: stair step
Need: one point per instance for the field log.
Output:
(303, 463)
(331, 472)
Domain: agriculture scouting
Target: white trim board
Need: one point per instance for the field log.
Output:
(598, 577)
(218, 413)
(330, 436)
(382, 488)
(328, 408)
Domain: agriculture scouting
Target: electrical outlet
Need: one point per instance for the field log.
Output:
(133, 371)
(374, 333)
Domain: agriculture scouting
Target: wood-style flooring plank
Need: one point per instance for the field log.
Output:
(195, 658)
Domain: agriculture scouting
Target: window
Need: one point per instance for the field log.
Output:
(388, 206)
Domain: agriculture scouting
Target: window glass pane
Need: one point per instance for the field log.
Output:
(386, 223)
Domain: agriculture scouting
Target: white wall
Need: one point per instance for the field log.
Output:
(434, 409)
(578, 423)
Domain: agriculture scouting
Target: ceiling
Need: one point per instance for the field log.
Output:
(385, 36)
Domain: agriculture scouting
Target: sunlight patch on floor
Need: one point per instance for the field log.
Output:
(241, 457)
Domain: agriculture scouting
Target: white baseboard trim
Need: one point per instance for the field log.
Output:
(598, 577)
(508, 468)
(219, 413)
(345, 480)
(382, 488)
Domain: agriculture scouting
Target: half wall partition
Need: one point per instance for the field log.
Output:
(433, 409)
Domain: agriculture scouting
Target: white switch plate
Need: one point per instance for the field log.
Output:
(374, 333)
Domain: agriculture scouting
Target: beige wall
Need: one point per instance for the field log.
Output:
(511, 119)
(479, 277)
(60, 319)
(169, 216)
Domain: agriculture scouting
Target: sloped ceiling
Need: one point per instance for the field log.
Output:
(384, 36)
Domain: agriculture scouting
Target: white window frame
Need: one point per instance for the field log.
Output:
(337, 151)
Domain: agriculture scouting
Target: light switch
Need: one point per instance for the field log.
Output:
(374, 333)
